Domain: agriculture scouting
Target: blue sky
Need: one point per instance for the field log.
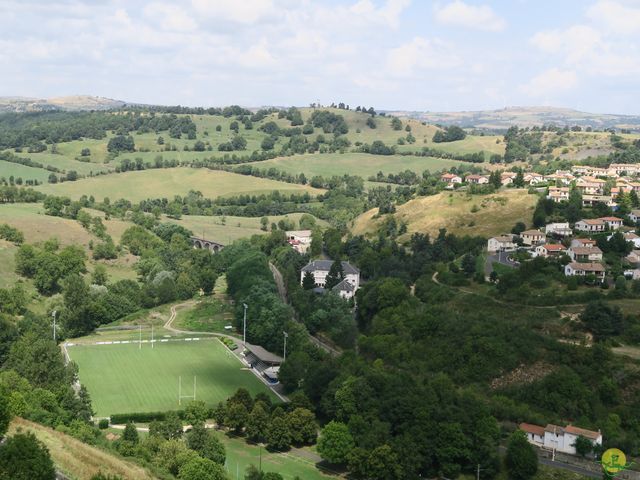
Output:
(390, 54)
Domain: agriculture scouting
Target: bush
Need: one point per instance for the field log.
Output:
(103, 423)
(141, 417)
(231, 345)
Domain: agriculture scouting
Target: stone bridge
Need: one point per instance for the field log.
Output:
(198, 242)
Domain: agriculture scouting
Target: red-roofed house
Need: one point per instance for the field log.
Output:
(551, 250)
(535, 433)
(451, 178)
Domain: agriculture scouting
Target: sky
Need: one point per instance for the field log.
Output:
(440, 55)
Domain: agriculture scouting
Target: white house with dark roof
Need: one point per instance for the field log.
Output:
(320, 269)
(585, 254)
(634, 216)
(561, 229)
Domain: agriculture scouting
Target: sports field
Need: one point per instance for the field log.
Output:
(126, 379)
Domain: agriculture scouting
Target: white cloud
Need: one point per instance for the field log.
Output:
(420, 53)
(388, 14)
(461, 14)
(239, 11)
(170, 17)
(616, 16)
(550, 83)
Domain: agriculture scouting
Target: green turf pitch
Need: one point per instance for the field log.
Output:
(126, 379)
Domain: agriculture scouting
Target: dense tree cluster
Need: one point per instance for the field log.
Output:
(449, 134)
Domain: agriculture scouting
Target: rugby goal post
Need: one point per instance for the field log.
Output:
(180, 395)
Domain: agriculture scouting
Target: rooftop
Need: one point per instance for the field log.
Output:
(592, 221)
(325, 265)
(555, 247)
(582, 432)
(587, 267)
(585, 250)
(533, 232)
(529, 428)
(264, 355)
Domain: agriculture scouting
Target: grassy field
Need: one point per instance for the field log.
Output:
(8, 169)
(8, 275)
(66, 162)
(38, 227)
(125, 378)
(140, 185)
(362, 164)
(78, 460)
(495, 213)
(211, 314)
(227, 229)
(241, 454)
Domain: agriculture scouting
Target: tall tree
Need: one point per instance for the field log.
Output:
(24, 457)
(521, 459)
(335, 275)
(335, 442)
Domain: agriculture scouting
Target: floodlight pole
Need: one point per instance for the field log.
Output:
(179, 390)
(53, 314)
(194, 388)
(244, 327)
(285, 344)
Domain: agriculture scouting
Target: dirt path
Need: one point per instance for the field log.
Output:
(282, 291)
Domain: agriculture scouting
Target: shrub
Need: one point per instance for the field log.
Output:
(103, 423)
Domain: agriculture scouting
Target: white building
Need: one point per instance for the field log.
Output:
(451, 178)
(477, 179)
(591, 225)
(550, 250)
(320, 269)
(502, 243)
(634, 216)
(585, 254)
(560, 439)
(613, 223)
(560, 229)
(300, 240)
(532, 237)
(575, 269)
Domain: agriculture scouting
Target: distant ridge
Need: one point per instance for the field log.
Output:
(525, 117)
(69, 103)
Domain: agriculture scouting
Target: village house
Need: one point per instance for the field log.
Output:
(624, 168)
(532, 237)
(634, 216)
(559, 229)
(477, 179)
(613, 223)
(507, 178)
(591, 200)
(502, 243)
(300, 240)
(558, 194)
(585, 254)
(320, 269)
(591, 225)
(533, 178)
(581, 269)
(632, 274)
(633, 257)
(633, 238)
(590, 187)
(550, 250)
(560, 439)
(583, 242)
(451, 178)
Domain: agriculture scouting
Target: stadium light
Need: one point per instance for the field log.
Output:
(244, 335)
(53, 314)
(285, 344)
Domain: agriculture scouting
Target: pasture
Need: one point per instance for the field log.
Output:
(226, 229)
(458, 212)
(66, 163)
(362, 164)
(168, 182)
(15, 170)
(124, 378)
